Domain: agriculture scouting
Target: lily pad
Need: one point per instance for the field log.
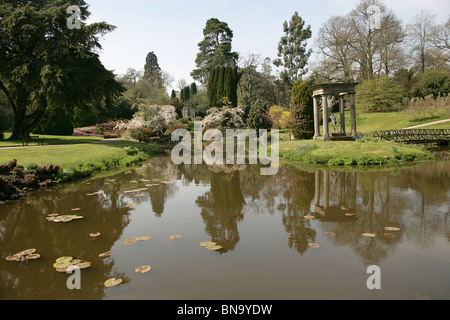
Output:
(369, 235)
(33, 256)
(143, 269)
(61, 265)
(313, 245)
(328, 233)
(130, 241)
(64, 259)
(75, 209)
(105, 254)
(95, 235)
(309, 217)
(173, 237)
(113, 282)
(26, 252)
(144, 238)
(350, 214)
(214, 248)
(83, 265)
(207, 244)
(392, 229)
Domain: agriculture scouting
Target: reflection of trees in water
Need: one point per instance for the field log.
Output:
(222, 208)
(156, 170)
(379, 199)
(296, 205)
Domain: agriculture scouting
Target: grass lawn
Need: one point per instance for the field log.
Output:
(50, 140)
(366, 122)
(339, 153)
(82, 160)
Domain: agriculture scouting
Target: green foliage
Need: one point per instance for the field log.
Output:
(64, 69)
(215, 49)
(292, 52)
(436, 83)
(193, 89)
(151, 65)
(378, 95)
(302, 111)
(55, 122)
(223, 83)
(131, 150)
(259, 117)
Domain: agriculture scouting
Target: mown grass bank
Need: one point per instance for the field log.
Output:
(83, 160)
(352, 153)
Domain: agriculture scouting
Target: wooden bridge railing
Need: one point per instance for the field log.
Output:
(414, 135)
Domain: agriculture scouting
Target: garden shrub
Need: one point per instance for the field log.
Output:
(258, 117)
(302, 109)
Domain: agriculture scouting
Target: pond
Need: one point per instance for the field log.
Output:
(296, 235)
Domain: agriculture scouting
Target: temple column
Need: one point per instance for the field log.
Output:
(326, 130)
(342, 114)
(316, 118)
(353, 115)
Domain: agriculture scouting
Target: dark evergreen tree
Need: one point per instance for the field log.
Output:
(151, 66)
(215, 49)
(193, 88)
(259, 117)
(302, 109)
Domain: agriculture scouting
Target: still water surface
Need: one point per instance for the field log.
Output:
(260, 223)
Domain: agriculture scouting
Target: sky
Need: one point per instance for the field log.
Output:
(172, 29)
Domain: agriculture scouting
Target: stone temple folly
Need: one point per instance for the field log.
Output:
(340, 90)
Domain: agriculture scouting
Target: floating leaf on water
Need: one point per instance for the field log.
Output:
(26, 252)
(390, 236)
(392, 229)
(61, 265)
(207, 244)
(327, 233)
(144, 180)
(214, 248)
(143, 269)
(76, 261)
(53, 215)
(313, 245)
(173, 237)
(152, 185)
(350, 214)
(105, 254)
(145, 238)
(75, 209)
(64, 259)
(131, 205)
(130, 241)
(136, 190)
(13, 258)
(33, 256)
(309, 217)
(113, 282)
(94, 193)
(95, 235)
(369, 235)
(83, 265)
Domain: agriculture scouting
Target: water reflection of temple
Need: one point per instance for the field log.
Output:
(340, 203)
